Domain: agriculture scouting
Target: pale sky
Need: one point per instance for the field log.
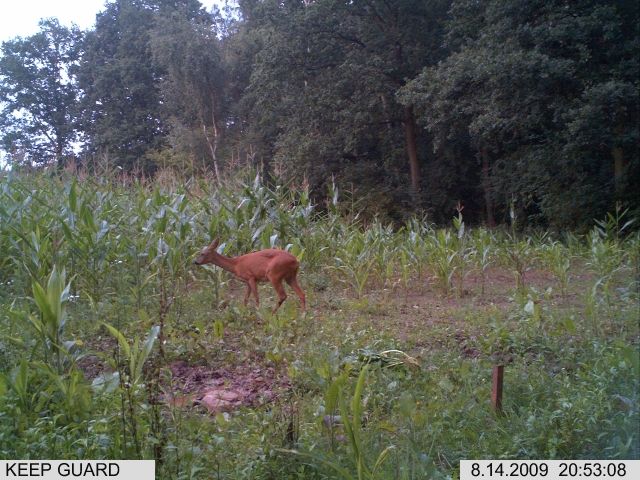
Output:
(20, 17)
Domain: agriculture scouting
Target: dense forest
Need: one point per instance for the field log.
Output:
(410, 106)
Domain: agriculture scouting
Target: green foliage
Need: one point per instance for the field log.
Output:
(543, 92)
(351, 418)
(482, 252)
(527, 115)
(557, 258)
(134, 356)
(533, 101)
(356, 260)
(39, 95)
(79, 255)
(188, 50)
(121, 102)
(50, 324)
(356, 129)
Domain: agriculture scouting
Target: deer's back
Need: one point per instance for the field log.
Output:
(272, 260)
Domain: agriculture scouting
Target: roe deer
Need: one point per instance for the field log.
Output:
(272, 264)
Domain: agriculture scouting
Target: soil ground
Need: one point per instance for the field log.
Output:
(249, 379)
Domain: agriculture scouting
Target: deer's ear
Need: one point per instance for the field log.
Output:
(215, 243)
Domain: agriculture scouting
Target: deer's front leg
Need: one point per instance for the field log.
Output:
(247, 294)
(282, 295)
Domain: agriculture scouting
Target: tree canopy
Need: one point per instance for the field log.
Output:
(38, 94)
(412, 106)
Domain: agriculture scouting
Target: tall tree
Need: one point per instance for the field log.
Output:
(38, 93)
(324, 85)
(546, 93)
(122, 102)
(125, 106)
(193, 85)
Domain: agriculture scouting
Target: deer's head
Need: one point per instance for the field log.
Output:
(207, 254)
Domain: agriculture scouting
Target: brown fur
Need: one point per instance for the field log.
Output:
(271, 265)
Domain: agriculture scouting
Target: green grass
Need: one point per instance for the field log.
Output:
(86, 372)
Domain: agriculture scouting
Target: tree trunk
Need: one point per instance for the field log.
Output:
(619, 163)
(59, 149)
(212, 149)
(213, 145)
(412, 148)
(486, 185)
(618, 167)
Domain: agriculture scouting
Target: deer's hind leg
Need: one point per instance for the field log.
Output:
(293, 283)
(247, 294)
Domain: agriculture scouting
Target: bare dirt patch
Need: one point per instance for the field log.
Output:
(410, 314)
(225, 388)
(250, 383)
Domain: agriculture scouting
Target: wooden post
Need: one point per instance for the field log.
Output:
(496, 390)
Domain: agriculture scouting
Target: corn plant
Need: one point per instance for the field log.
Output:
(170, 241)
(557, 258)
(135, 255)
(443, 258)
(482, 251)
(355, 259)
(447, 255)
(615, 225)
(34, 254)
(128, 374)
(351, 420)
(605, 260)
(70, 393)
(55, 379)
(86, 232)
(517, 255)
(5, 240)
(462, 254)
(28, 399)
(382, 241)
(405, 262)
(416, 245)
(49, 324)
(29, 227)
(36, 389)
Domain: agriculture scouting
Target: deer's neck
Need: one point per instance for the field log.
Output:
(228, 263)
